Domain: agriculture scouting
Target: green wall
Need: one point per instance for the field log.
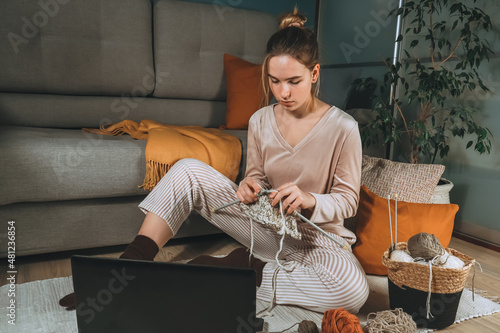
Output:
(355, 36)
(477, 177)
(356, 31)
(276, 7)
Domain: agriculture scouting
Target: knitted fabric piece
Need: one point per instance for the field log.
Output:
(272, 217)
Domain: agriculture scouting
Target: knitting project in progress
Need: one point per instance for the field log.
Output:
(272, 217)
(285, 225)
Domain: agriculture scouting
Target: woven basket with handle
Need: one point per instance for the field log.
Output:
(416, 276)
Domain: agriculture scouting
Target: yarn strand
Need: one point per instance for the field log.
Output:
(390, 321)
(474, 276)
(251, 240)
(428, 303)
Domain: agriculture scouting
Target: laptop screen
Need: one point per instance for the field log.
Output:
(120, 295)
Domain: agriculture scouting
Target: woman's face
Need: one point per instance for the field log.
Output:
(291, 82)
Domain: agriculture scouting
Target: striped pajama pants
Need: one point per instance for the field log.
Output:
(324, 275)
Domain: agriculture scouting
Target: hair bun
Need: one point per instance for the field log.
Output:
(293, 19)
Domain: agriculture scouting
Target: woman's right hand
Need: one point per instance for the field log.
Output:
(247, 189)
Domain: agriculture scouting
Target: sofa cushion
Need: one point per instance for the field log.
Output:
(191, 51)
(244, 91)
(76, 47)
(411, 182)
(61, 111)
(42, 164)
(43, 227)
(373, 233)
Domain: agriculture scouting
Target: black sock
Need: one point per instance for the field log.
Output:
(142, 248)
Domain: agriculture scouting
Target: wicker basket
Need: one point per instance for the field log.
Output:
(409, 289)
(441, 193)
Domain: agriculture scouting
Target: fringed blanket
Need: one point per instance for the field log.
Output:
(168, 144)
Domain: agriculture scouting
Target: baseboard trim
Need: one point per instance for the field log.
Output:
(476, 241)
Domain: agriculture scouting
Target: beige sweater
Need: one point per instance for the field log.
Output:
(326, 163)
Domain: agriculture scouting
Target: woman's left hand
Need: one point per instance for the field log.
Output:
(293, 197)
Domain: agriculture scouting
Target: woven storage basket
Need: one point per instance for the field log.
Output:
(409, 288)
(441, 193)
(416, 276)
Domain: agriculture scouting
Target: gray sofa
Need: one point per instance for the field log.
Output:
(67, 64)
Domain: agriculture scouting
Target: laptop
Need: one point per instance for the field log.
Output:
(121, 295)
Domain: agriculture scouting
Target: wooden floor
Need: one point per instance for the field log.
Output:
(58, 265)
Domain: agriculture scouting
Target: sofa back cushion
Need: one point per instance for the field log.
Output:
(191, 39)
(77, 47)
(65, 111)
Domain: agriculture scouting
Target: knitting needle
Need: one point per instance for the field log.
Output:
(225, 205)
(262, 192)
(302, 217)
(390, 221)
(396, 219)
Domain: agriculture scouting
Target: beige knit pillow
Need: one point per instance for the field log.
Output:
(412, 182)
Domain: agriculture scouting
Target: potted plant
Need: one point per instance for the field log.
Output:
(418, 103)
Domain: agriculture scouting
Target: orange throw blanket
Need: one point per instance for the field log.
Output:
(168, 144)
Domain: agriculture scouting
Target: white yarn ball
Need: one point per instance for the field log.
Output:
(453, 262)
(401, 255)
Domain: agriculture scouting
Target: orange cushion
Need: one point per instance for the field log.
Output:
(244, 92)
(373, 226)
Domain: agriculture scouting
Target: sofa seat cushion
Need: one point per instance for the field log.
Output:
(43, 164)
(43, 227)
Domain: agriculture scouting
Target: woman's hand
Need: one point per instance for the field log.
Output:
(293, 197)
(247, 189)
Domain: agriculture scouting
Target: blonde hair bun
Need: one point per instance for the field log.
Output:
(293, 19)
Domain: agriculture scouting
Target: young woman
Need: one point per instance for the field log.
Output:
(307, 150)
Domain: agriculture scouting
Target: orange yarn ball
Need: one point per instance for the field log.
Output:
(340, 321)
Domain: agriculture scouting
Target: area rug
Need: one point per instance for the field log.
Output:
(37, 309)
